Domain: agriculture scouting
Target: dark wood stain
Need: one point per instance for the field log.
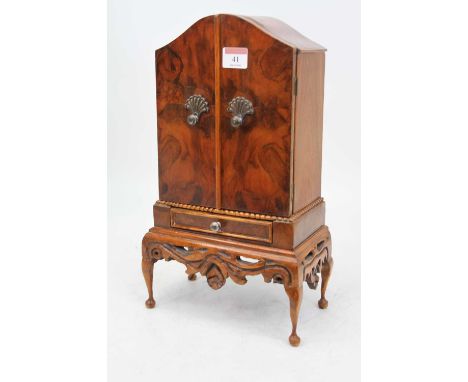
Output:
(213, 164)
(248, 229)
(222, 188)
(186, 153)
(256, 157)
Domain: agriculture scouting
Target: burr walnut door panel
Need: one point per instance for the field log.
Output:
(255, 157)
(184, 68)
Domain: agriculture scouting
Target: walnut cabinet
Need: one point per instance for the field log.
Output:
(239, 129)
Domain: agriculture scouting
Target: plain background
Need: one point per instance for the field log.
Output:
(53, 196)
(235, 328)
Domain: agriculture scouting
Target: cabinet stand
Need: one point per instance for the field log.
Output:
(239, 104)
(218, 259)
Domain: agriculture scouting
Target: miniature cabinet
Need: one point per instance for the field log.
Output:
(239, 127)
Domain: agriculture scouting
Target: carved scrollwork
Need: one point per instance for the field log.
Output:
(314, 261)
(217, 266)
(215, 277)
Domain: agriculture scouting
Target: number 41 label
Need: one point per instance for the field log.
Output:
(235, 58)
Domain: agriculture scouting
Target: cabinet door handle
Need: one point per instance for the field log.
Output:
(215, 226)
(239, 107)
(196, 104)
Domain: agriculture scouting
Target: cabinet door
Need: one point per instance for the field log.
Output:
(255, 157)
(186, 153)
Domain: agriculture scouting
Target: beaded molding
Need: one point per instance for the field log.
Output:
(249, 215)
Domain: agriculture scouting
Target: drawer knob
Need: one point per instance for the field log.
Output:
(239, 107)
(196, 104)
(215, 226)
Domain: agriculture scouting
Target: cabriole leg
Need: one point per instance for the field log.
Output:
(295, 299)
(147, 265)
(325, 273)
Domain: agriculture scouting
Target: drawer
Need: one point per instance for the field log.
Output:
(222, 225)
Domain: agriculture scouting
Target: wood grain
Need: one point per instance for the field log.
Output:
(217, 51)
(238, 202)
(248, 229)
(219, 259)
(308, 129)
(256, 156)
(284, 33)
(186, 153)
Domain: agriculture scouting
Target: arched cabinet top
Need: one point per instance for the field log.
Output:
(273, 27)
(283, 32)
(236, 96)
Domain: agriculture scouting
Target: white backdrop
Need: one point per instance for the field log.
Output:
(236, 332)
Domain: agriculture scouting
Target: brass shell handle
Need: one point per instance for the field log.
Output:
(239, 107)
(215, 226)
(196, 104)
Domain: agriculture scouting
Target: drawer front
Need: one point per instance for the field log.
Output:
(222, 225)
